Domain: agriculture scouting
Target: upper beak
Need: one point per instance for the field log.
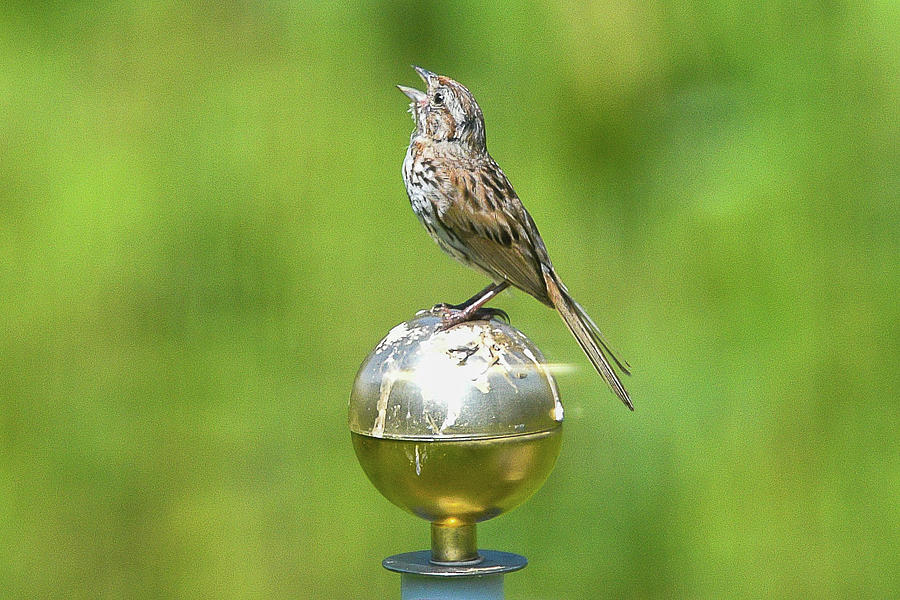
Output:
(427, 76)
(414, 94)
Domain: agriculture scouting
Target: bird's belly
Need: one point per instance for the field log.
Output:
(445, 238)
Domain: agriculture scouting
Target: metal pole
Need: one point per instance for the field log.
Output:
(422, 579)
(420, 587)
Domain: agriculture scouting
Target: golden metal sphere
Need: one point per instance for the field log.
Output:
(455, 426)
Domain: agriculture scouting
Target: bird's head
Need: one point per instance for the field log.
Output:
(446, 111)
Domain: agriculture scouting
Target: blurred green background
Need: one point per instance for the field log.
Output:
(203, 232)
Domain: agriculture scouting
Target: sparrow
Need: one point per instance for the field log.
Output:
(469, 208)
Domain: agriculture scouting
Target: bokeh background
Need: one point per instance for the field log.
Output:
(203, 232)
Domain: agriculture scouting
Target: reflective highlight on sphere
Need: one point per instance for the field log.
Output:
(478, 379)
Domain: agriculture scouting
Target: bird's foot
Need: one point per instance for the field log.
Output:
(451, 315)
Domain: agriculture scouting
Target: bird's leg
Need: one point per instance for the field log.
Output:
(443, 306)
(472, 309)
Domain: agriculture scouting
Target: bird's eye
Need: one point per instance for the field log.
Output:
(438, 99)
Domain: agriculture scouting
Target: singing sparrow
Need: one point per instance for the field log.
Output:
(466, 203)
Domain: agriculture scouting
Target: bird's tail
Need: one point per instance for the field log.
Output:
(588, 335)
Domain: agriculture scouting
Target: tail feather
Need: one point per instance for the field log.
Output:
(588, 335)
(599, 337)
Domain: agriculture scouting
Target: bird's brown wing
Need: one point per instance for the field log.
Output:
(497, 232)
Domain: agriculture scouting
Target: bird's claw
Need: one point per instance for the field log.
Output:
(443, 308)
(452, 316)
(487, 313)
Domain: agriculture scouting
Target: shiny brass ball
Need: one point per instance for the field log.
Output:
(455, 426)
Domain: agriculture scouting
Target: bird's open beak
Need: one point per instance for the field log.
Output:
(419, 98)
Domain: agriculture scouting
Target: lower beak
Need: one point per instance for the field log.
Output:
(413, 94)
